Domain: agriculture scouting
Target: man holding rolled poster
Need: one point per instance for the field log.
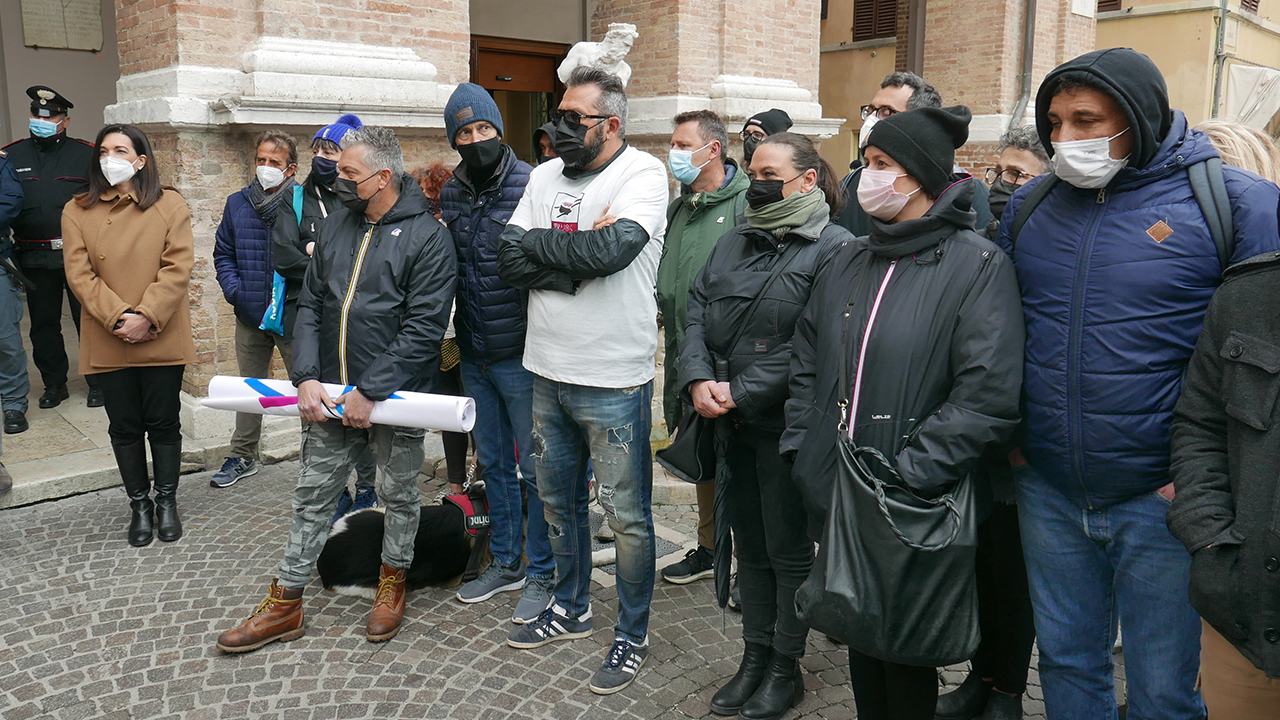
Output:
(371, 315)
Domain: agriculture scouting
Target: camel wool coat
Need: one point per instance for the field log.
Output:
(120, 257)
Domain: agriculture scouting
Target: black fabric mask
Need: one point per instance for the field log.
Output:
(749, 148)
(544, 159)
(764, 192)
(1001, 191)
(481, 158)
(347, 195)
(325, 170)
(572, 147)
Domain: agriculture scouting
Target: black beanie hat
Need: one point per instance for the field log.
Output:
(771, 121)
(924, 141)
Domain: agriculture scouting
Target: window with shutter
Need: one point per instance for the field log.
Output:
(1108, 5)
(874, 19)
(1250, 5)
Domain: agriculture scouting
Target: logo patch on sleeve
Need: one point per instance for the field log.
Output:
(1159, 231)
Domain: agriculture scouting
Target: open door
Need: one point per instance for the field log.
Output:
(521, 76)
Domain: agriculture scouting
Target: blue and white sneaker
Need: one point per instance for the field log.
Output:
(233, 470)
(553, 624)
(365, 498)
(620, 667)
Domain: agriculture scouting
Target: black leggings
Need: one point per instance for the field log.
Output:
(889, 691)
(1004, 603)
(143, 402)
(455, 443)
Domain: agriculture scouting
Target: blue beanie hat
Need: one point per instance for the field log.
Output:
(335, 132)
(469, 103)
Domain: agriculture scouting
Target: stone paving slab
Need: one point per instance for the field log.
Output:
(92, 628)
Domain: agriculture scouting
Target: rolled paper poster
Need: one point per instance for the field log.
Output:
(449, 413)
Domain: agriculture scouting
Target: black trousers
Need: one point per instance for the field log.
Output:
(889, 691)
(48, 350)
(143, 402)
(455, 444)
(774, 551)
(1004, 603)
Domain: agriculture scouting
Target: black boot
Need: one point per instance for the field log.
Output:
(781, 690)
(729, 699)
(166, 461)
(966, 701)
(1002, 707)
(132, 462)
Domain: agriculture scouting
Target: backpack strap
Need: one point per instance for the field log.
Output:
(1210, 188)
(297, 202)
(1034, 198)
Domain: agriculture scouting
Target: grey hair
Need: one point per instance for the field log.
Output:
(613, 95)
(710, 126)
(922, 93)
(1025, 138)
(382, 148)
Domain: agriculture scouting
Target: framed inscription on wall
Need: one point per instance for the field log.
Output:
(71, 24)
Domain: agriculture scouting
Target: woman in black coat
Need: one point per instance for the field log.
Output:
(926, 319)
(768, 263)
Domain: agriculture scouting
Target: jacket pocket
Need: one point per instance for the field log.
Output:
(1215, 587)
(1250, 379)
(155, 352)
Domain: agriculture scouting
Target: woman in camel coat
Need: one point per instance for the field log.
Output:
(128, 252)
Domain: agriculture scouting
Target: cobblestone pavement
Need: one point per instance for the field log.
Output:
(93, 628)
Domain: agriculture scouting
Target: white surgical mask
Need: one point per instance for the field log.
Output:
(269, 177)
(117, 170)
(878, 196)
(1087, 163)
(865, 133)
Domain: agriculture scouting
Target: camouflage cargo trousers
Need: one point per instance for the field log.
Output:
(329, 450)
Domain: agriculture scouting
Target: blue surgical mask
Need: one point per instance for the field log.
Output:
(42, 128)
(682, 167)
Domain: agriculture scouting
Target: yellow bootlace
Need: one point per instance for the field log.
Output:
(266, 604)
(386, 590)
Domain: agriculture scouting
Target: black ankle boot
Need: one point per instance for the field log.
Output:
(166, 461)
(1002, 707)
(131, 460)
(781, 689)
(966, 701)
(729, 699)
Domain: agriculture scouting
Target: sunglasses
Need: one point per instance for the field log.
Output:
(574, 119)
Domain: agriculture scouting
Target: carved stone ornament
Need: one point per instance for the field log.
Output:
(608, 54)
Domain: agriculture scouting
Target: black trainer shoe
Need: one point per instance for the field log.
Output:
(697, 564)
(15, 421)
(53, 396)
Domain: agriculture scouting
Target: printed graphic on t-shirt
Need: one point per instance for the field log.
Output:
(564, 212)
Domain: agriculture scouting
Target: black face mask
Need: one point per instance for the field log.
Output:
(481, 158)
(347, 195)
(1001, 191)
(572, 147)
(544, 159)
(325, 170)
(764, 192)
(749, 148)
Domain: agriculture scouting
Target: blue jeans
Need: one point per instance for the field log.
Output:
(14, 385)
(608, 427)
(1091, 569)
(503, 392)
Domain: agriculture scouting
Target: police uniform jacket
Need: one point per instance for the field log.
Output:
(52, 171)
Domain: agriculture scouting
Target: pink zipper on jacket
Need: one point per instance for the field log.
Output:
(862, 352)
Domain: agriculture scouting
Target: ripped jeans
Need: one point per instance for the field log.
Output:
(574, 424)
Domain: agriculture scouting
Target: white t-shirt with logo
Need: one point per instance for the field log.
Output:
(606, 334)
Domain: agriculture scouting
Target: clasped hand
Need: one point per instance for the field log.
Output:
(134, 328)
(712, 399)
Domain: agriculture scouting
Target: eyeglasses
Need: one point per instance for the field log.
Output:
(880, 112)
(574, 119)
(753, 133)
(1010, 176)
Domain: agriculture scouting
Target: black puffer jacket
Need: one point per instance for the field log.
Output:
(943, 364)
(289, 238)
(1226, 442)
(375, 301)
(735, 274)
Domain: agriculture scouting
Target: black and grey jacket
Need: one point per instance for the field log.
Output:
(1226, 449)
(375, 301)
(943, 366)
(735, 274)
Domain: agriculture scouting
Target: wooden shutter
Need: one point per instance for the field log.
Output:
(1250, 5)
(874, 19)
(1108, 5)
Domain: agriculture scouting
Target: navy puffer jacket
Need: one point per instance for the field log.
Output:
(242, 258)
(1114, 303)
(490, 314)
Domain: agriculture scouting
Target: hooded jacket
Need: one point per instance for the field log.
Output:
(731, 279)
(942, 371)
(289, 240)
(490, 319)
(375, 301)
(1115, 283)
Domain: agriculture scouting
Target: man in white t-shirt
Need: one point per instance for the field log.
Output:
(585, 241)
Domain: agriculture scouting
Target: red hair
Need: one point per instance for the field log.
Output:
(432, 178)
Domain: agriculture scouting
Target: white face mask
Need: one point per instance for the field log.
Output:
(1087, 163)
(878, 196)
(269, 177)
(117, 170)
(865, 133)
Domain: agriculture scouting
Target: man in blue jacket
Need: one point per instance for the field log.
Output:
(13, 358)
(242, 258)
(1117, 265)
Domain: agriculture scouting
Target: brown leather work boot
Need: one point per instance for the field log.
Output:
(388, 606)
(278, 617)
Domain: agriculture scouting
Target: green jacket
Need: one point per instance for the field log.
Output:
(695, 221)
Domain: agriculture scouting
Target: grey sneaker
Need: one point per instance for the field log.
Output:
(233, 470)
(493, 580)
(535, 599)
(620, 667)
(553, 624)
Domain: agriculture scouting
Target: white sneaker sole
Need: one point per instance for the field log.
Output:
(690, 578)
(623, 686)
(546, 641)
(236, 479)
(518, 585)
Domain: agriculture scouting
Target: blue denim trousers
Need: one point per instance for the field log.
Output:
(574, 425)
(14, 384)
(503, 392)
(1090, 570)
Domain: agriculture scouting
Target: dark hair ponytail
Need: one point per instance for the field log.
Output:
(146, 183)
(805, 157)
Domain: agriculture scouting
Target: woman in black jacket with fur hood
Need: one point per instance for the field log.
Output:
(743, 308)
(926, 318)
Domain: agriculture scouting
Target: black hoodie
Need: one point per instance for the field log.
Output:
(1134, 82)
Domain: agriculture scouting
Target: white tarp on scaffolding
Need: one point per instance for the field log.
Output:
(1253, 94)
